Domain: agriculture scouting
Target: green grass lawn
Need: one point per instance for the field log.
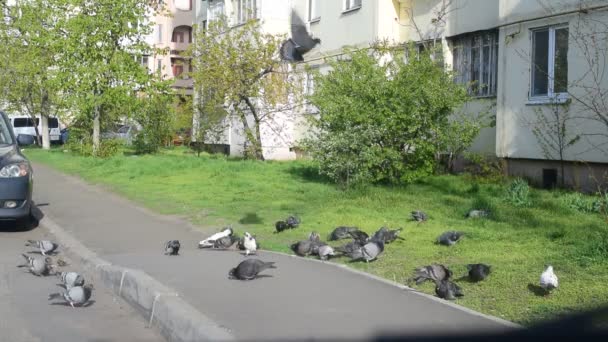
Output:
(215, 191)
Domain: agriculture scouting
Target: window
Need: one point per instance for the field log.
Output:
(549, 62)
(351, 4)
(23, 122)
(159, 33)
(245, 10)
(435, 48)
(475, 62)
(313, 10)
(159, 65)
(177, 66)
(215, 10)
(53, 123)
(143, 61)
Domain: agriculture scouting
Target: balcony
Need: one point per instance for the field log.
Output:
(174, 46)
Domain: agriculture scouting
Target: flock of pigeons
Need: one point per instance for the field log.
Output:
(75, 293)
(362, 247)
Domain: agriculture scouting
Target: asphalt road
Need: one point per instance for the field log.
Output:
(27, 315)
(299, 300)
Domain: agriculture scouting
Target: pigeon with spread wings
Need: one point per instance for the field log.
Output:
(300, 43)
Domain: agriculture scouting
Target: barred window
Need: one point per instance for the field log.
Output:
(475, 62)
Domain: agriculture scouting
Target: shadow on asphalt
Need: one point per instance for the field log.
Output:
(89, 303)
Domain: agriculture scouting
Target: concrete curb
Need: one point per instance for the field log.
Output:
(403, 287)
(161, 306)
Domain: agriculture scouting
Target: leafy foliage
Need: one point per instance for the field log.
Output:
(381, 122)
(156, 118)
(518, 193)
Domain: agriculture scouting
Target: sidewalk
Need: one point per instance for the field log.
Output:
(302, 299)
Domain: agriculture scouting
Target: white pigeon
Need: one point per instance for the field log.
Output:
(208, 242)
(75, 296)
(548, 279)
(45, 246)
(71, 279)
(250, 244)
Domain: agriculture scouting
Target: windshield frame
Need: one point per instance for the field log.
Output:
(6, 131)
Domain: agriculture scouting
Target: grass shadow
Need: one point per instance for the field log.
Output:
(537, 290)
(308, 173)
(251, 218)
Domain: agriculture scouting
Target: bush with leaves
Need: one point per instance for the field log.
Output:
(381, 121)
(518, 193)
(156, 120)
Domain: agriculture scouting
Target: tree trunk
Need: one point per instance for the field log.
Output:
(254, 135)
(96, 128)
(44, 120)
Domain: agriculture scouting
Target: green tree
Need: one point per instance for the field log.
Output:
(29, 48)
(381, 119)
(104, 41)
(237, 70)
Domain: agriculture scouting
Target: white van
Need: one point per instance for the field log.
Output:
(23, 124)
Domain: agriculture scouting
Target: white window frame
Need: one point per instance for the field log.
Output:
(466, 44)
(352, 5)
(313, 11)
(246, 10)
(159, 33)
(551, 96)
(309, 89)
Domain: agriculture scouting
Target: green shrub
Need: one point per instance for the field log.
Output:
(584, 204)
(518, 193)
(81, 143)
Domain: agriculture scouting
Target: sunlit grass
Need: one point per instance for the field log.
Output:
(213, 191)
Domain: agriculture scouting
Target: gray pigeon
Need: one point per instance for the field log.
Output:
(172, 247)
(225, 242)
(294, 48)
(478, 272)
(280, 226)
(419, 216)
(349, 247)
(449, 238)
(44, 246)
(432, 272)
(325, 252)
(478, 213)
(38, 266)
(447, 290)
(75, 296)
(71, 279)
(292, 222)
(368, 252)
(341, 232)
(306, 247)
(359, 236)
(249, 269)
(386, 235)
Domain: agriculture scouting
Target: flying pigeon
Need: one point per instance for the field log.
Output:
(449, 238)
(434, 272)
(208, 242)
(359, 236)
(281, 226)
(386, 235)
(71, 279)
(306, 247)
(368, 252)
(341, 232)
(38, 266)
(478, 272)
(419, 216)
(45, 246)
(548, 279)
(172, 247)
(75, 296)
(325, 252)
(225, 242)
(250, 244)
(249, 269)
(349, 248)
(300, 43)
(478, 213)
(292, 222)
(447, 290)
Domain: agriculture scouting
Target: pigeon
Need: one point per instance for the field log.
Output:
(45, 246)
(446, 289)
(281, 226)
(359, 236)
(38, 266)
(208, 242)
(349, 247)
(478, 272)
(292, 222)
(250, 244)
(325, 252)
(224, 242)
(249, 269)
(419, 216)
(172, 247)
(341, 232)
(434, 272)
(71, 279)
(548, 279)
(306, 247)
(387, 236)
(75, 296)
(449, 238)
(300, 43)
(478, 213)
(368, 252)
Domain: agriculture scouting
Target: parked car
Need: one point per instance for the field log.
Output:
(16, 182)
(23, 124)
(124, 132)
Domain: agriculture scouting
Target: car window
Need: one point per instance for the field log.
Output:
(123, 129)
(5, 134)
(53, 123)
(23, 122)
